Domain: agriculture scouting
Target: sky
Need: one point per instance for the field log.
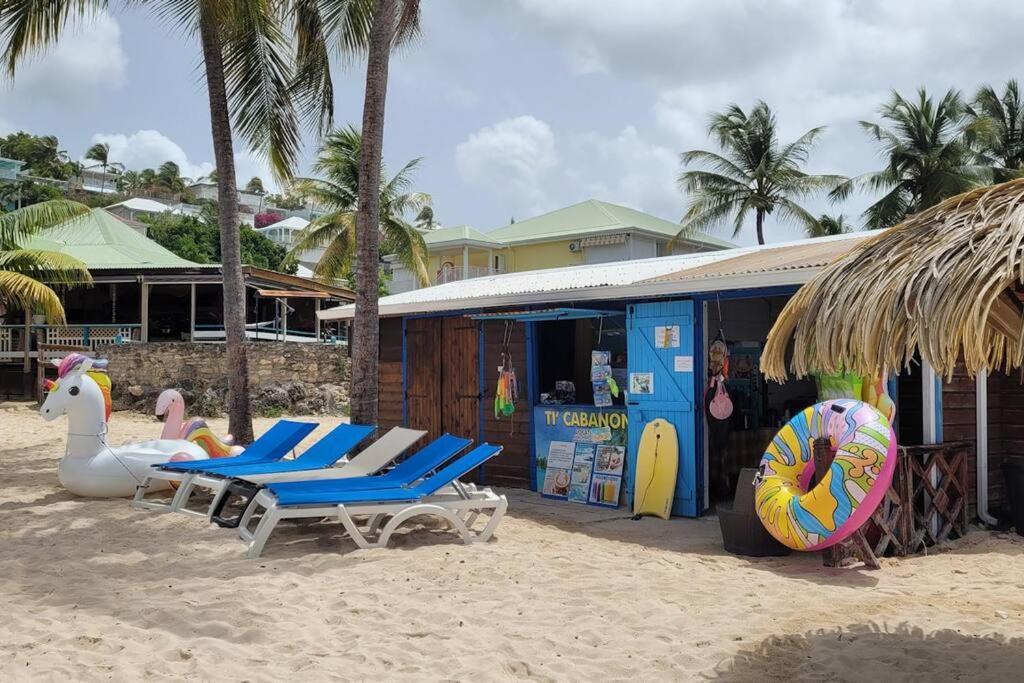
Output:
(522, 106)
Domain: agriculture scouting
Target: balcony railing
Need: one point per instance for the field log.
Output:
(13, 338)
(456, 273)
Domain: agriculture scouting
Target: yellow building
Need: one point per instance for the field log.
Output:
(589, 232)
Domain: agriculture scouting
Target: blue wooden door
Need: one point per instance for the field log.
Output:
(661, 366)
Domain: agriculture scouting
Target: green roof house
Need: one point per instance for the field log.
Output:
(589, 232)
(144, 292)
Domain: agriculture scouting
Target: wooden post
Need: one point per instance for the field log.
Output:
(192, 313)
(284, 319)
(40, 369)
(144, 312)
(27, 367)
(857, 543)
(316, 318)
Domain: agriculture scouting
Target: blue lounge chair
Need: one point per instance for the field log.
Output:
(276, 443)
(273, 445)
(406, 473)
(387, 508)
(317, 462)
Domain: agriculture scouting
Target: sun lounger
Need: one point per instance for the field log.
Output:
(273, 445)
(276, 443)
(407, 473)
(317, 462)
(387, 508)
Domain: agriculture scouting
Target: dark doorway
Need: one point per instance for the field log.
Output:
(170, 312)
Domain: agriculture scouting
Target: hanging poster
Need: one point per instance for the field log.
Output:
(666, 337)
(641, 382)
(578, 447)
(683, 363)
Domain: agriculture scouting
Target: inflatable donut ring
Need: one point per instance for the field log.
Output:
(865, 459)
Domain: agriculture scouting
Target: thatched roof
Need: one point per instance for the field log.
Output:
(945, 282)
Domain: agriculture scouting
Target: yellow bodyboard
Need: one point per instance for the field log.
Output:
(657, 464)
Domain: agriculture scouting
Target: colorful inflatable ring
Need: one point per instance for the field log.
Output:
(865, 459)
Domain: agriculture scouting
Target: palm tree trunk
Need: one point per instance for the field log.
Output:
(239, 413)
(366, 333)
(760, 226)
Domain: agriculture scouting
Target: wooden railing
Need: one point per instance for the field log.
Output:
(13, 338)
(925, 505)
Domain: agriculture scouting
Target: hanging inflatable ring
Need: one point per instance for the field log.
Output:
(865, 460)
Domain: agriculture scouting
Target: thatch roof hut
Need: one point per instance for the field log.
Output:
(947, 282)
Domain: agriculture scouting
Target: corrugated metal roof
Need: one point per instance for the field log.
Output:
(457, 233)
(292, 223)
(103, 242)
(143, 204)
(791, 263)
(815, 253)
(495, 290)
(595, 217)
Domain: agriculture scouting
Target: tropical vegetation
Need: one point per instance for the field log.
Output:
(28, 275)
(998, 122)
(198, 239)
(753, 175)
(42, 154)
(100, 153)
(828, 226)
(930, 148)
(337, 191)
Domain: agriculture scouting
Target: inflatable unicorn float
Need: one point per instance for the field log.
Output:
(90, 466)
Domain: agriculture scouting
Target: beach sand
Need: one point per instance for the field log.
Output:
(94, 590)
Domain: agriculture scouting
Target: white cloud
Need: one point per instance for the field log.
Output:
(88, 61)
(149, 149)
(627, 169)
(515, 154)
(815, 62)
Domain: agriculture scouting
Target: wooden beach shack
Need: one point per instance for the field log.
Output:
(143, 293)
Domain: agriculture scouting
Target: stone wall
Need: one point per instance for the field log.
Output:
(286, 378)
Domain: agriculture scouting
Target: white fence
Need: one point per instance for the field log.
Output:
(12, 338)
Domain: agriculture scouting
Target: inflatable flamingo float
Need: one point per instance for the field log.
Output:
(171, 406)
(90, 466)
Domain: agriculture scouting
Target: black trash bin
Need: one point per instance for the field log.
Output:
(742, 531)
(1013, 475)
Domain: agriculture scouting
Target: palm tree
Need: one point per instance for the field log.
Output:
(254, 76)
(827, 226)
(999, 120)
(338, 192)
(753, 174)
(168, 177)
(26, 274)
(380, 26)
(129, 181)
(928, 149)
(100, 153)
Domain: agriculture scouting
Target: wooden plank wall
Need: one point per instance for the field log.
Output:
(512, 467)
(423, 374)
(1005, 428)
(959, 424)
(460, 387)
(389, 399)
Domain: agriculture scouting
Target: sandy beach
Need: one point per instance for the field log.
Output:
(94, 590)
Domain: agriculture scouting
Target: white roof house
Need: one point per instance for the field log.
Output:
(284, 232)
(789, 263)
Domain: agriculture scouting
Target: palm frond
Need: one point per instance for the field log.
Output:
(30, 295)
(28, 26)
(22, 223)
(259, 73)
(50, 267)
